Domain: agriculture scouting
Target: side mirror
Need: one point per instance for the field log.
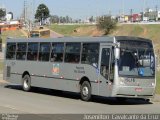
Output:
(117, 53)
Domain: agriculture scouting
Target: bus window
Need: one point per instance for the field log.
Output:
(90, 53)
(11, 51)
(57, 52)
(34, 35)
(44, 52)
(21, 51)
(105, 60)
(32, 53)
(72, 53)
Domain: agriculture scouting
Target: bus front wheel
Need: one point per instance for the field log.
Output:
(26, 82)
(85, 91)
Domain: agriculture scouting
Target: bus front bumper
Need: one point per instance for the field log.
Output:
(133, 91)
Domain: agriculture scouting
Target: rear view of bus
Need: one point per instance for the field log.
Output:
(135, 67)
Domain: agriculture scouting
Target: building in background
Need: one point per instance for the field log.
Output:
(11, 25)
(9, 16)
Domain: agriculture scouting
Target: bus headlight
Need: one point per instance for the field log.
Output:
(122, 83)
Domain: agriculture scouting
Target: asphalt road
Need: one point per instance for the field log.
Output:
(45, 101)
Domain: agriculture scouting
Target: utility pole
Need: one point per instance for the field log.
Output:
(156, 7)
(156, 16)
(144, 7)
(33, 9)
(25, 11)
(123, 6)
(122, 16)
(131, 11)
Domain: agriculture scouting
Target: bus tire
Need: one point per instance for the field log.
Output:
(26, 83)
(85, 91)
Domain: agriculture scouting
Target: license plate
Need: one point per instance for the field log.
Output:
(138, 89)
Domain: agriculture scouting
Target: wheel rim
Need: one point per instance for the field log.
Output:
(85, 91)
(26, 83)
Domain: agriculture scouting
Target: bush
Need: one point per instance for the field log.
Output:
(106, 23)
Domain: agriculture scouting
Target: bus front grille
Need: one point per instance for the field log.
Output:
(8, 71)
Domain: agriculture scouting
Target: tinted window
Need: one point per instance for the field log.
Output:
(44, 51)
(57, 52)
(73, 52)
(11, 51)
(32, 51)
(90, 53)
(21, 51)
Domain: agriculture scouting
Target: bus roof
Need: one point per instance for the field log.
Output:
(120, 38)
(109, 39)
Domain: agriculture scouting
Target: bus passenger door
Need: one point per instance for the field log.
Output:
(106, 75)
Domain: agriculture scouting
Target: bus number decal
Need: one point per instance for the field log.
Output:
(55, 69)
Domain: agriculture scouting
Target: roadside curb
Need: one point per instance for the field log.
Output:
(156, 98)
(3, 81)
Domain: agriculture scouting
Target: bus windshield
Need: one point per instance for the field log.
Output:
(137, 62)
(34, 35)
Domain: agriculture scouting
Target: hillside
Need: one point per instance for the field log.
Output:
(146, 31)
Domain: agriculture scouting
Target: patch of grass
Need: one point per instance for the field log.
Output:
(15, 33)
(66, 30)
(128, 30)
(158, 83)
(1, 66)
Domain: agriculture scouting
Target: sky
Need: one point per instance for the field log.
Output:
(80, 8)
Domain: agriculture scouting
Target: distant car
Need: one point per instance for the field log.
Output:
(152, 21)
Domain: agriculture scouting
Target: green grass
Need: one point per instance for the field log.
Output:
(158, 83)
(66, 30)
(1, 66)
(16, 33)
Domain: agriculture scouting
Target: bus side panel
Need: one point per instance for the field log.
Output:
(42, 75)
(9, 74)
(75, 72)
(61, 76)
(105, 87)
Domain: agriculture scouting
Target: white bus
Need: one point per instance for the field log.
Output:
(118, 66)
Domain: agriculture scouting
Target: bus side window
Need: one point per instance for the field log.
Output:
(57, 52)
(44, 52)
(21, 51)
(72, 52)
(90, 53)
(32, 53)
(11, 51)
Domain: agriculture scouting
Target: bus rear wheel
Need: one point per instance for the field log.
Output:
(85, 91)
(26, 83)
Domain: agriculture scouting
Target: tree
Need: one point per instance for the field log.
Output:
(2, 13)
(91, 19)
(42, 13)
(54, 19)
(106, 23)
